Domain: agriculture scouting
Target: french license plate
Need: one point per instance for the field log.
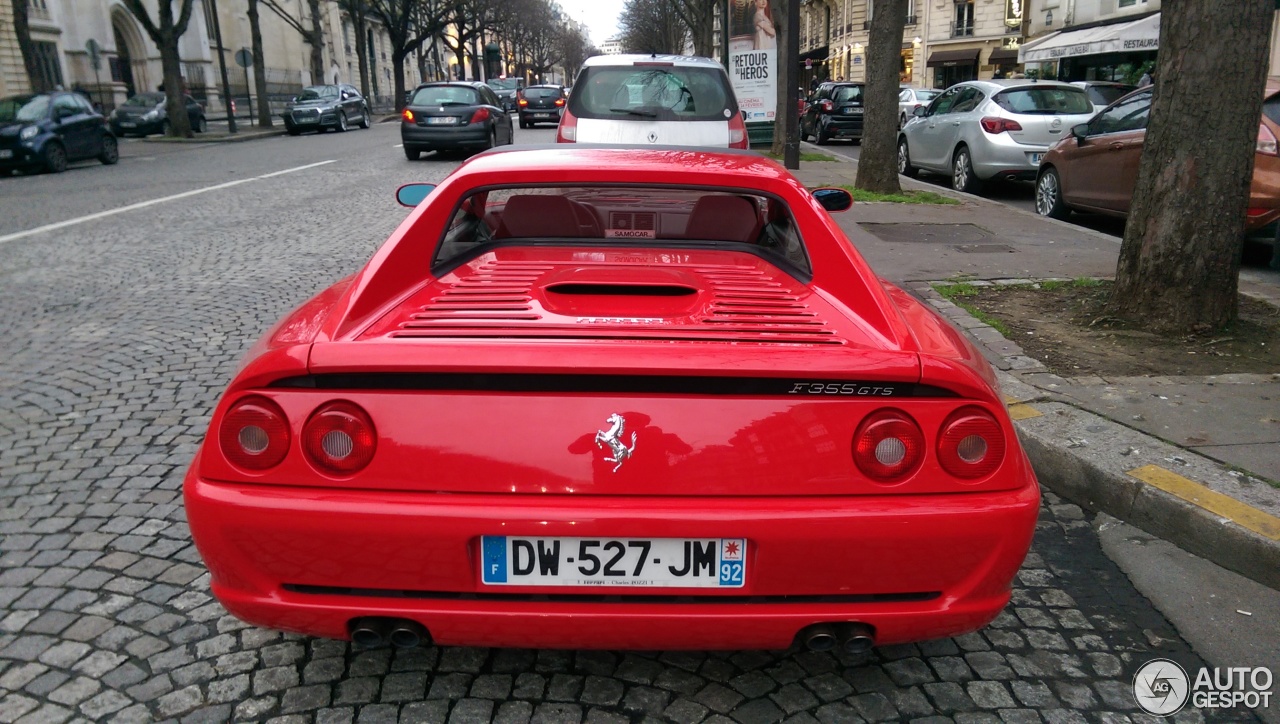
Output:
(441, 120)
(1035, 158)
(853, 111)
(128, 125)
(634, 562)
(6, 153)
(308, 119)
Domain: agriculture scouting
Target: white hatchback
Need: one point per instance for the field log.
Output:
(669, 100)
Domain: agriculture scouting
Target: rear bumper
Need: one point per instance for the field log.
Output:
(998, 156)
(842, 126)
(310, 560)
(423, 138)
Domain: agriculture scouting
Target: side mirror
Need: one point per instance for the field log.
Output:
(412, 194)
(833, 199)
(920, 111)
(1080, 132)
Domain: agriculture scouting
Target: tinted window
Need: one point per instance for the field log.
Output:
(926, 95)
(848, 94)
(317, 92)
(145, 100)
(664, 93)
(1129, 115)
(542, 93)
(1271, 109)
(943, 103)
(24, 108)
(504, 83)
(904, 96)
(1105, 95)
(67, 104)
(445, 95)
(968, 101)
(1045, 101)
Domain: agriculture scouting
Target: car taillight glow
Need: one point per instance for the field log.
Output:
(738, 132)
(407, 116)
(481, 115)
(523, 102)
(1267, 141)
(995, 124)
(339, 438)
(827, 106)
(559, 101)
(254, 434)
(971, 444)
(888, 446)
(567, 131)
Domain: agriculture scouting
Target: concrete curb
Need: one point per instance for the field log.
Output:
(1168, 491)
(207, 138)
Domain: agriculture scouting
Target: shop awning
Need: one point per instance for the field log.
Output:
(1003, 56)
(953, 57)
(1132, 37)
(815, 55)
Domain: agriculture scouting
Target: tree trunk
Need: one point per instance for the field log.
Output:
(786, 71)
(22, 29)
(878, 162)
(175, 105)
(1180, 259)
(260, 68)
(316, 41)
(397, 69)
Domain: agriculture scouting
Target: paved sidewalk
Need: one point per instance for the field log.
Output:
(1194, 460)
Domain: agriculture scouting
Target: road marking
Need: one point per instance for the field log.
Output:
(398, 145)
(1245, 516)
(152, 202)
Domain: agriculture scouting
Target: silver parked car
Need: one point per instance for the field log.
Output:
(988, 129)
(909, 99)
(1103, 93)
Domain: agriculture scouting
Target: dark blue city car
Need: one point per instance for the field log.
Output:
(48, 130)
(460, 115)
(541, 104)
(145, 113)
(319, 107)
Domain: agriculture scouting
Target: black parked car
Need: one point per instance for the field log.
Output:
(835, 111)
(46, 130)
(145, 113)
(507, 90)
(454, 116)
(319, 107)
(541, 103)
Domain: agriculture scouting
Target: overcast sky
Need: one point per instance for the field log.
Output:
(600, 16)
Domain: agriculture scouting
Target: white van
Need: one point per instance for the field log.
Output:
(669, 100)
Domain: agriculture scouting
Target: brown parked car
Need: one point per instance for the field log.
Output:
(1095, 168)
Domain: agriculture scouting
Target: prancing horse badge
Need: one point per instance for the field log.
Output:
(613, 438)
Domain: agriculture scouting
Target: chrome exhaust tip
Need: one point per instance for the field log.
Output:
(857, 638)
(369, 631)
(820, 637)
(408, 634)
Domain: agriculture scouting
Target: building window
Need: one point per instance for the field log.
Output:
(48, 70)
(208, 19)
(1128, 3)
(963, 24)
(38, 9)
(911, 12)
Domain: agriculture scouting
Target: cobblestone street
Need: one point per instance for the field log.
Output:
(119, 334)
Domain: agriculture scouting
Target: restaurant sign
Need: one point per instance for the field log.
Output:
(1013, 12)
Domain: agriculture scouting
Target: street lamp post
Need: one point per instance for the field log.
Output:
(222, 67)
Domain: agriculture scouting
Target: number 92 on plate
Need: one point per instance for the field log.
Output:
(635, 562)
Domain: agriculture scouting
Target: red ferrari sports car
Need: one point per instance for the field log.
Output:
(627, 398)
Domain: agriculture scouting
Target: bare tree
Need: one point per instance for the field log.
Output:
(408, 24)
(699, 17)
(575, 47)
(651, 26)
(878, 161)
(312, 35)
(358, 14)
(259, 67)
(470, 19)
(165, 35)
(22, 28)
(1180, 260)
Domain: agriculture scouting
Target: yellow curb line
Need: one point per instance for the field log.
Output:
(1023, 411)
(1221, 505)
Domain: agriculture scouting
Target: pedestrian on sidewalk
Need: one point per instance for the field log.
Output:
(1147, 78)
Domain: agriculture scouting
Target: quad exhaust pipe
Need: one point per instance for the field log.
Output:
(851, 637)
(402, 633)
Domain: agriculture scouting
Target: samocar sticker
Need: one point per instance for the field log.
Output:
(629, 234)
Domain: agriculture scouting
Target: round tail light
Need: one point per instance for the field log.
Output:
(254, 434)
(971, 444)
(888, 446)
(339, 438)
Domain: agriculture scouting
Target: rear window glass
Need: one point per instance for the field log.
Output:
(542, 93)
(624, 216)
(924, 95)
(848, 94)
(1044, 101)
(663, 93)
(1105, 95)
(1271, 109)
(446, 95)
